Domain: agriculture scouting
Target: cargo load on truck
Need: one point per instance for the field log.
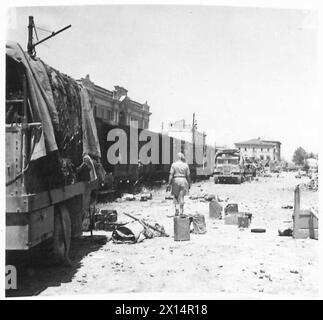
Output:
(62, 108)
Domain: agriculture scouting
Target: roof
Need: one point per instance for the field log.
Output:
(257, 142)
(272, 141)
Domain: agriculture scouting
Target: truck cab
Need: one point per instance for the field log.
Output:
(228, 167)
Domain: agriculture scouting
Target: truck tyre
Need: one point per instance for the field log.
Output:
(238, 180)
(216, 180)
(58, 246)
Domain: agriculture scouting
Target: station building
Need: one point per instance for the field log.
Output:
(115, 107)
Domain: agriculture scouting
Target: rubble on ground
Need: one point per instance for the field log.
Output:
(221, 259)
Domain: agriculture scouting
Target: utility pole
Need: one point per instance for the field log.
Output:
(31, 27)
(193, 137)
(30, 48)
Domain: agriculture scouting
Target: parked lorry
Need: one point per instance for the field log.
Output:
(229, 166)
(52, 157)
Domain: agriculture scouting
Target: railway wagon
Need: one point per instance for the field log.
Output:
(131, 155)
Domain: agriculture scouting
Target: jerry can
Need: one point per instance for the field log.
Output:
(181, 228)
(243, 221)
(215, 210)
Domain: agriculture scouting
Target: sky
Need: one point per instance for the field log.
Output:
(245, 72)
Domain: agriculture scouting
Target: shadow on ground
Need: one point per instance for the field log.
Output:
(33, 276)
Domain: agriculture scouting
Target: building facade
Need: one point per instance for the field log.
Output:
(115, 107)
(259, 149)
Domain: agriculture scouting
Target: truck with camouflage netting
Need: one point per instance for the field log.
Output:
(53, 157)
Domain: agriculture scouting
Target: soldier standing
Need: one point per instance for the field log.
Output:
(180, 182)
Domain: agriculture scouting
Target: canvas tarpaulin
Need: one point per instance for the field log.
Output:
(90, 138)
(62, 106)
(43, 110)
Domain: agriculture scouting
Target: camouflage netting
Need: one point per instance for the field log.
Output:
(63, 108)
(68, 130)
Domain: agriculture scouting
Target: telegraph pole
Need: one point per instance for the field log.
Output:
(193, 137)
(30, 48)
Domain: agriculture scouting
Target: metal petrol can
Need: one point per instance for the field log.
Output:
(243, 221)
(215, 210)
(231, 218)
(181, 228)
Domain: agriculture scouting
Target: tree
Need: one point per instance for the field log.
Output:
(312, 155)
(299, 156)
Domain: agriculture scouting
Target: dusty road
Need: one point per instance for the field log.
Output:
(224, 260)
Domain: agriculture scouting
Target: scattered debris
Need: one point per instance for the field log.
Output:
(106, 219)
(258, 230)
(286, 233)
(215, 210)
(196, 197)
(287, 207)
(231, 208)
(158, 228)
(198, 222)
(128, 197)
(286, 230)
(209, 197)
(204, 197)
(294, 271)
(312, 184)
(146, 195)
(128, 234)
(231, 218)
(244, 220)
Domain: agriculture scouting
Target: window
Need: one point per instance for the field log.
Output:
(245, 149)
(262, 149)
(110, 115)
(233, 161)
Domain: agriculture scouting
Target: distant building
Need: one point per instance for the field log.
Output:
(115, 107)
(183, 131)
(260, 149)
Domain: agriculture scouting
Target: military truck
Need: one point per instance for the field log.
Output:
(229, 166)
(52, 157)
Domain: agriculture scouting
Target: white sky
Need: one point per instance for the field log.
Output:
(245, 72)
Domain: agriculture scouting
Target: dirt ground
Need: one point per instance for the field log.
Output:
(224, 260)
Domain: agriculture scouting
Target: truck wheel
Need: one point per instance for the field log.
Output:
(59, 245)
(216, 180)
(238, 180)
